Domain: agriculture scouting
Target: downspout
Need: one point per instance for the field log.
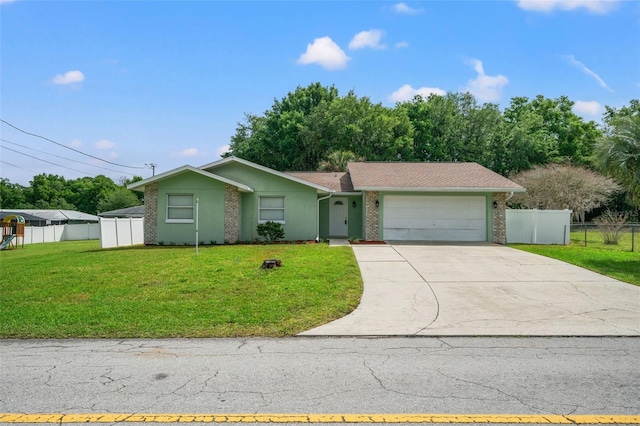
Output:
(318, 216)
(509, 197)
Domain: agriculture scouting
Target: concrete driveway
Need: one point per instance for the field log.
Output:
(482, 290)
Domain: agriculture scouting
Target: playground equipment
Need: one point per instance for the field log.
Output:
(12, 231)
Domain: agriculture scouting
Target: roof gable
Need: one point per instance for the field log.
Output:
(432, 177)
(139, 186)
(291, 177)
(336, 181)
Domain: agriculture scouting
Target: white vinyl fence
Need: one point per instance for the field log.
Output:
(57, 233)
(538, 226)
(121, 232)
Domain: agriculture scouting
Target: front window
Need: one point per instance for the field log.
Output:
(180, 208)
(271, 209)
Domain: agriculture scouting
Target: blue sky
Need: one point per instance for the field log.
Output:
(166, 82)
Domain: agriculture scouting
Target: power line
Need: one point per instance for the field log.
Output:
(45, 161)
(18, 167)
(67, 147)
(65, 158)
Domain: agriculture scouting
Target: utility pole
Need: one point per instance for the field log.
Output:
(153, 168)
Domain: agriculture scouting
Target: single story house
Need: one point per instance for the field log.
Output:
(227, 199)
(36, 217)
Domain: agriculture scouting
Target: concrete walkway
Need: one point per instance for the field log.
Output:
(482, 289)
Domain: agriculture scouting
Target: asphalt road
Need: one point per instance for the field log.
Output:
(520, 376)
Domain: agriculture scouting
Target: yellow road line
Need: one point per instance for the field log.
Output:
(320, 418)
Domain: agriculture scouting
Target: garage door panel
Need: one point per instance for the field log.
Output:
(435, 218)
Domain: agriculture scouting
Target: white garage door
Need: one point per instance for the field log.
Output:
(435, 218)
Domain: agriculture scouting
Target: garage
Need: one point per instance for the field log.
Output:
(434, 218)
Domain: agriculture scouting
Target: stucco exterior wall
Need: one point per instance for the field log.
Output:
(500, 218)
(211, 196)
(372, 216)
(151, 214)
(300, 201)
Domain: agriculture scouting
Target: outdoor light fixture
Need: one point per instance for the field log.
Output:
(495, 204)
(354, 204)
(377, 203)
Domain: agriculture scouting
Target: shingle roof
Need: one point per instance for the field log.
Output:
(428, 176)
(136, 211)
(336, 181)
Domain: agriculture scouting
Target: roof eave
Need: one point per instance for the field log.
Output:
(139, 186)
(344, 193)
(436, 189)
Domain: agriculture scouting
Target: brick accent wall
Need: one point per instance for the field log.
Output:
(151, 214)
(500, 218)
(372, 217)
(232, 214)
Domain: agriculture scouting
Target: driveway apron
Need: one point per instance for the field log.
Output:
(482, 289)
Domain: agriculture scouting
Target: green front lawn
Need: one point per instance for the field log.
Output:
(615, 261)
(74, 289)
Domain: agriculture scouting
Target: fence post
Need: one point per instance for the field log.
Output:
(633, 238)
(584, 225)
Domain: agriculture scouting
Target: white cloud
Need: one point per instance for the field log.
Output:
(326, 53)
(587, 108)
(485, 87)
(403, 8)
(223, 150)
(401, 45)
(69, 77)
(590, 73)
(188, 152)
(104, 144)
(6, 1)
(407, 93)
(595, 6)
(76, 143)
(369, 39)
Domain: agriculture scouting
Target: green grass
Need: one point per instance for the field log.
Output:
(74, 289)
(615, 261)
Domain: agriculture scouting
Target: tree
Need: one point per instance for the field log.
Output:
(87, 192)
(12, 195)
(560, 134)
(274, 139)
(120, 198)
(455, 127)
(561, 186)
(47, 191)
(437, 122)
(337, 161)
(125, 181)
(371, 131)
(611, 114)
(303, 128)
(618, 153)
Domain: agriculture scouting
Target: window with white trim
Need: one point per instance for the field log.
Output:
(271, 209)
(180, 208)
